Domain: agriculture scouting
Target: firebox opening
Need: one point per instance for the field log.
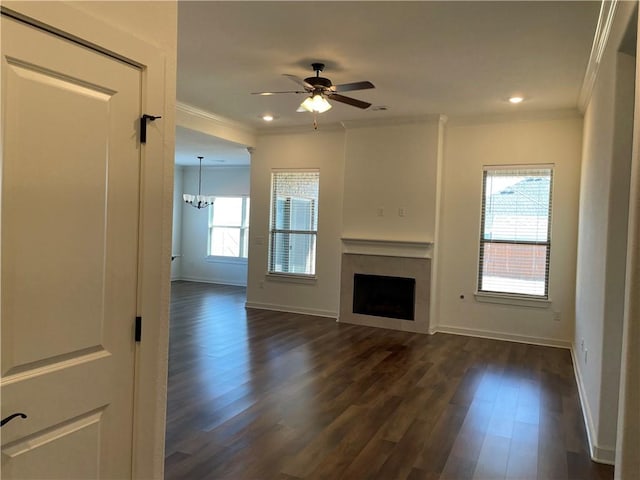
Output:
(382, 296)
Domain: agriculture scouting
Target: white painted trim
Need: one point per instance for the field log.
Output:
(387, 247)
(348, 125)
(509, 337)
(600, 39)
(434, 303)
(598, 454)
(215, 281)
(227, 122)
(606, 455)
(513, 117)
(291, 277)
(390, 122)
(304, 129)
(194, 118)
(513, 300)
(220, 259)
(292, 309)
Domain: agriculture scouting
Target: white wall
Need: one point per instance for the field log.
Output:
(362, 170)
(627, 461)
(195, 266)
(468, 146)
(324, 150)
(390, 168)
(176, 244)
(602, 240)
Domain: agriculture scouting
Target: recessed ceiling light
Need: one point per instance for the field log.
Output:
(516, 99)
(267, 118)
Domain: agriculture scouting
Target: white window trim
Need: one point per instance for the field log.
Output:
(513, 299)
(288, 276)
(504, 298)
(291, 277)
(223, 259)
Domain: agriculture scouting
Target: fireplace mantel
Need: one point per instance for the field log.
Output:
(387, 247)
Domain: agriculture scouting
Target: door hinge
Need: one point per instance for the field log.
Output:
(138, 334)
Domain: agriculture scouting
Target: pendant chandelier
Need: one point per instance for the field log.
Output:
(199, 200)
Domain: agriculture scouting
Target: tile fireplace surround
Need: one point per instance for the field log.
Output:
(391, 258)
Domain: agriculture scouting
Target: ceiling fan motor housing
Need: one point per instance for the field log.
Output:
(318, 82)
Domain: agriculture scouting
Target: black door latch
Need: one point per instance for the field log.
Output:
(143, 126)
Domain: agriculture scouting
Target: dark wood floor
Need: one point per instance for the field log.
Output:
(264, 395)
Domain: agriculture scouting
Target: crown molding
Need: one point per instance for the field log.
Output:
(301, 129)
(603, 29)
(219, 119)
(392, 121)
(353, 124)
(514, 117)
(195, 118)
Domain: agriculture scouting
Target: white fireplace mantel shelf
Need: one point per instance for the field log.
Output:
(387, 247)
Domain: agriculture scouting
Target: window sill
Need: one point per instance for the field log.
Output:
(514, 300)
(229, 260)
(291, 277)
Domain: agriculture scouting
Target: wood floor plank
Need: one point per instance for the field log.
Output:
(257, 394)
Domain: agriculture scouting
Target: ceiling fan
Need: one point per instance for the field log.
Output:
(320, 89)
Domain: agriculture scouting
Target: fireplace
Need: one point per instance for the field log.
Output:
(386, 284)
(384, 296)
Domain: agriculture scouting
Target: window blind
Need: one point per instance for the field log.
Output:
(294, 222)
(515, 240)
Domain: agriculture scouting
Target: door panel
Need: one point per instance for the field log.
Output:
(52, 454)
(66, 237)
(69, 253)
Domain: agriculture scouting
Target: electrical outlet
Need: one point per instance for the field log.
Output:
(380, 211)
(556, 316)
(402, 212)
(261, 284)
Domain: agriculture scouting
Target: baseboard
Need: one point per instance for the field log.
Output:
(598, 454)
(472, 332)
(292, 309)
(217, 281)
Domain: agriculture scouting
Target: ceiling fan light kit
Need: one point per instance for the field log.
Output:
(316, 103)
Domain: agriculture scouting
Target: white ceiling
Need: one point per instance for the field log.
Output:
(217, 152)
(456, 58)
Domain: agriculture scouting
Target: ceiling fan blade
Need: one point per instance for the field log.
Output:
(299, 81)
(274, 93)
(349, 101)
(346, 87)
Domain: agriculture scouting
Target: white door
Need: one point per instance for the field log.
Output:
(69, 254)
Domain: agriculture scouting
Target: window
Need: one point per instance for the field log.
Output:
(229, 227)
(294, 222)
(515, 240)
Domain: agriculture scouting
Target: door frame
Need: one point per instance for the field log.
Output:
(158, 66)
